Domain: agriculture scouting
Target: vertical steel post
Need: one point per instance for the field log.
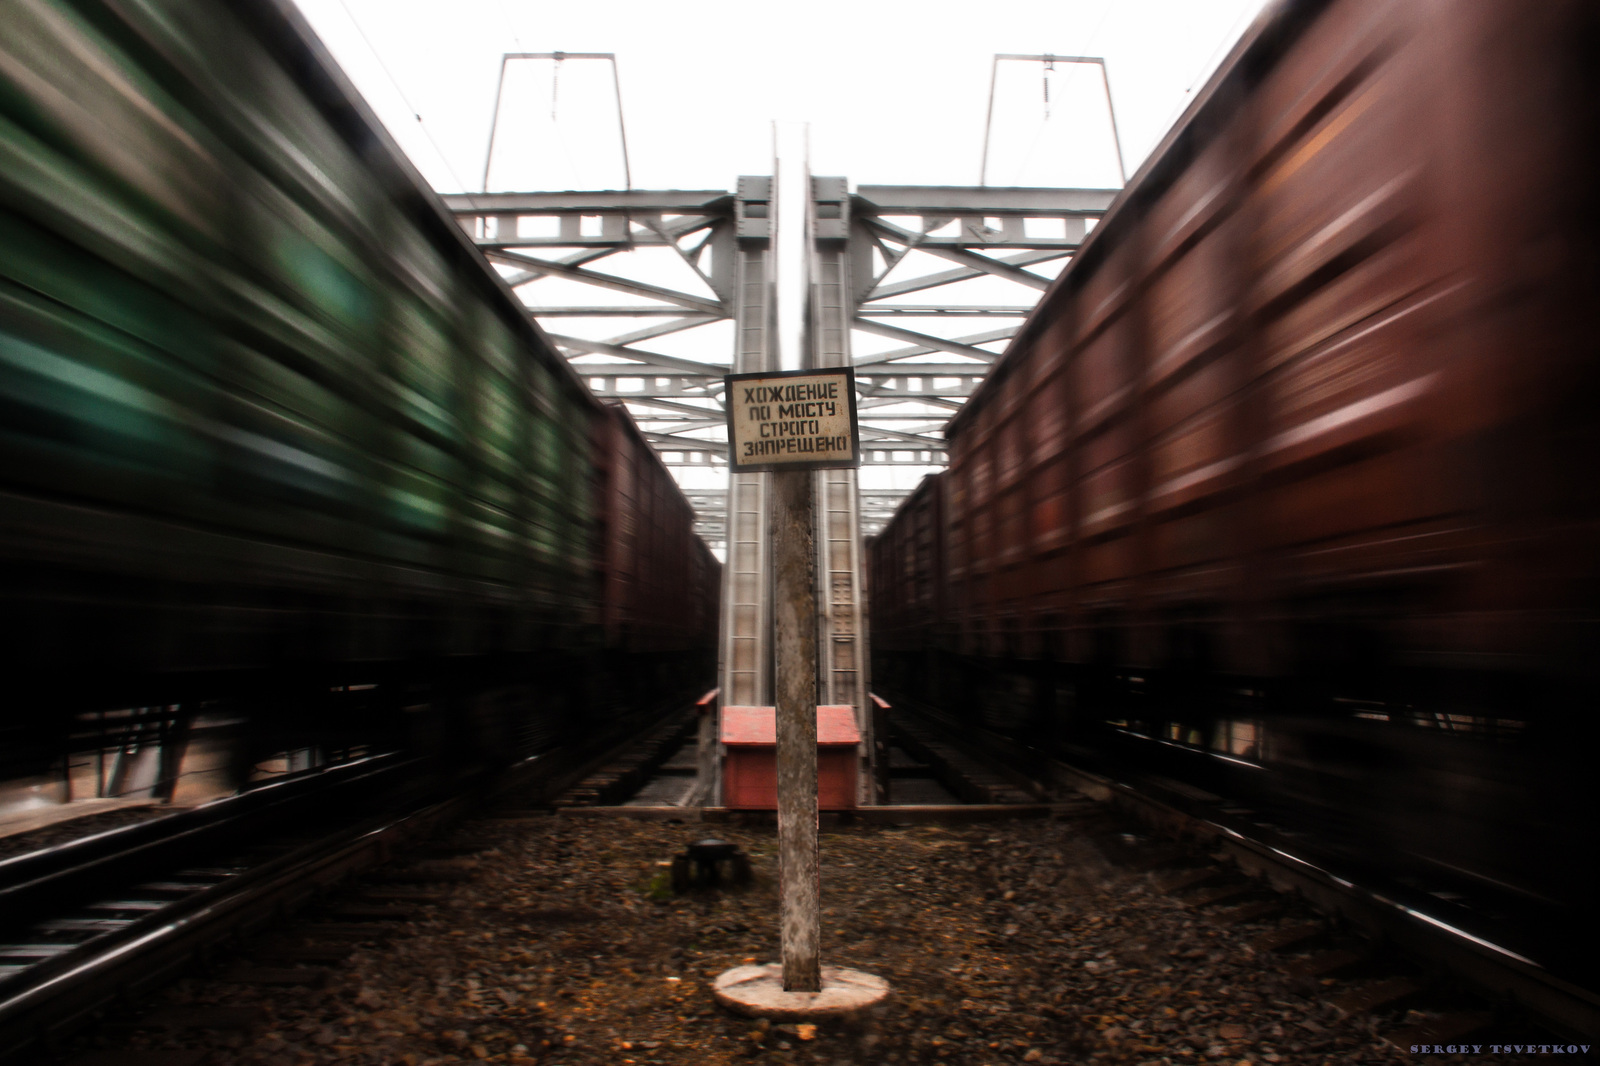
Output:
(795, 633)
(841, 637)
(745, 660)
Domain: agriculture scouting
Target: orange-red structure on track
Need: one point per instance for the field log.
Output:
(750, 765)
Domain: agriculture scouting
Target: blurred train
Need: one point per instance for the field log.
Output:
(274, 436)
(1288, 488)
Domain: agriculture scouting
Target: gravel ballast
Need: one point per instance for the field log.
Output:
(1004, 942)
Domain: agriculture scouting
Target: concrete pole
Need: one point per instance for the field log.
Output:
(795, 685)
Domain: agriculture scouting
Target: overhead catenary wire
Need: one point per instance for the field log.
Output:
(1223, 42)
(1111, 110)
(510, 24)
(423, 126)
(1033, 146)
(1066, 83)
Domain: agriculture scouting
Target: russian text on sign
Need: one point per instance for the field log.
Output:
(796, 419)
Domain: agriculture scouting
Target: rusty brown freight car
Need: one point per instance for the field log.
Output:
(905, 572)
(1320, 354)
(660, 580)
(1308, 431)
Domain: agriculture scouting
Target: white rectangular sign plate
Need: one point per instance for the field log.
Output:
(793, 420)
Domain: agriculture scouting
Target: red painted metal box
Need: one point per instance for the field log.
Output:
(750, 759)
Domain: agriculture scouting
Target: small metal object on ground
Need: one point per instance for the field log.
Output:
(758, 992)
(700, 865)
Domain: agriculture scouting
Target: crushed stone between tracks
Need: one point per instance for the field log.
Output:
(1004, 942)
(25, 841)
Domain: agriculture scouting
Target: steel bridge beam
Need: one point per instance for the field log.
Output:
(874, 248)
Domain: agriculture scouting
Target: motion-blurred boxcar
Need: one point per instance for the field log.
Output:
(269, 424)
(1294, 466)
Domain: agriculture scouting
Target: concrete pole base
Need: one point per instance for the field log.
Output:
(758, 992)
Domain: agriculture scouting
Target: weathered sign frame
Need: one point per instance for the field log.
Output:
(732, 381)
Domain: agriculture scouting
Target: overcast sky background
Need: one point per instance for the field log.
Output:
(894, 92)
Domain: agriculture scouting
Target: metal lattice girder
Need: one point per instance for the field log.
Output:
(981, 201)
(898, 272)
(746, 652)
(904, 261)
(877, 506)
(990, 253)
(841, 638)
(593, 203)
(605, 317)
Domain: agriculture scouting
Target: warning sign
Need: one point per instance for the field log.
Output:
(797, 419)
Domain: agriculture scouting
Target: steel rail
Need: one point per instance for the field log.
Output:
(49, 878)
(38, 1004)
(1496, 972)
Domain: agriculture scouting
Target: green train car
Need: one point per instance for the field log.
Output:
(269, 424)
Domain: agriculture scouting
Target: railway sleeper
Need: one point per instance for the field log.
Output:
(1328, 963)
(373, 912)
(177, 1019)
(1187, 879)
(1250, 911)
(957, 771)
(1223, 893)
(403, 894)
(278, 976)
(312, 954)
(286, 875)
(164, 1057)
(625, 773)
(1293, 935)
(1383, 993)
(427, 875)
(1354, 977)
(350, 932)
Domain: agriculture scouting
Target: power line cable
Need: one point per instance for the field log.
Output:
(510, 24)
(1033, 146)
(1064, 83)
(1209, 65)
(403, 97)
(1088, 50)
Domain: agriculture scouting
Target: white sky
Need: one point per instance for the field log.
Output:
(894, 92)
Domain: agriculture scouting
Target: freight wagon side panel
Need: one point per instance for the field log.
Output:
(1197, 422)
(261, 395)
(1350, 286)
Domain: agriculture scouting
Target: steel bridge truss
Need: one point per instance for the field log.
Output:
(895, 273)
(649, 295)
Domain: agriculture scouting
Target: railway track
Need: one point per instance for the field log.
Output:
(1427, 969)
(115, 914)
(111, 916)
